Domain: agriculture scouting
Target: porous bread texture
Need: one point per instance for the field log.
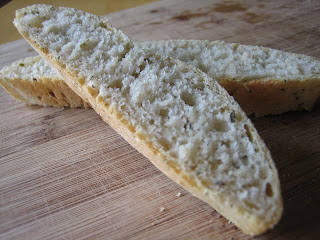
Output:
(29, 68)
(262, 80)
(239, 62)
(33, 81)
(173, 113)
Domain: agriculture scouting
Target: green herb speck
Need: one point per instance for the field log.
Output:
(232, 116)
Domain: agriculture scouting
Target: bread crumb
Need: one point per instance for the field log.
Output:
(162, 209)
(179, 194)
(230, 222)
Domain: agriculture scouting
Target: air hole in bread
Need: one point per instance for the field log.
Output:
(165, 144)
(226, 143)
(141, 135)
(164, 112)
(173, 155)
(80, 81)
(244, 160)
(263, 173)
(248, 132)
(193, 167)
(269, 191)
(222, 109)
(135, 74)
(63, 96)
(36, 22)
(169, 81)
(239, 117)
(235, 47)
(200, 86)
(185, 70)
(78, 20)
(103, 25)
(116, 84)
(220, 126)
(214, 166)
(52, 94)
(127, 48)
(251, 205)
(58, 49)
(203, 67)
(140, 68)
(88, 45)
(192, 57)
(53, 29)
(188, 98)
(94, 92)
(205, 183)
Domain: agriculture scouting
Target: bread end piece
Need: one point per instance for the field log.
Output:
(33, 82)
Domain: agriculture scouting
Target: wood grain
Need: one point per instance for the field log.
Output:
(65, 174)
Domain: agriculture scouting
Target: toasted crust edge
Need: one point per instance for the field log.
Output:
(275, 96)
(45, 92)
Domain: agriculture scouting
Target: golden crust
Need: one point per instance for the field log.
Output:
(261, 97)
(43, 91)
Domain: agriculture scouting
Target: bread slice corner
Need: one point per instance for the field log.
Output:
(34, 82)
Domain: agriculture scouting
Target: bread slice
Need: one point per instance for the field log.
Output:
(262, 80)
(33, 81)
(173, 113)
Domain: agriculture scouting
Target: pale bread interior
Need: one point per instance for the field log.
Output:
(262, 80)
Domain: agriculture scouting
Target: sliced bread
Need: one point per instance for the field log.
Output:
(262, 80)
(33, 81)
(173, 113)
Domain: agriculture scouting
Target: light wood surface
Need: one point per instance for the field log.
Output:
(65, 174)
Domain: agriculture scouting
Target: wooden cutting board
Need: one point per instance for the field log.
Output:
(65, 174)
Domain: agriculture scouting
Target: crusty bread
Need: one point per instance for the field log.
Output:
(33, 81)
(174, 114)
(262, 80)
